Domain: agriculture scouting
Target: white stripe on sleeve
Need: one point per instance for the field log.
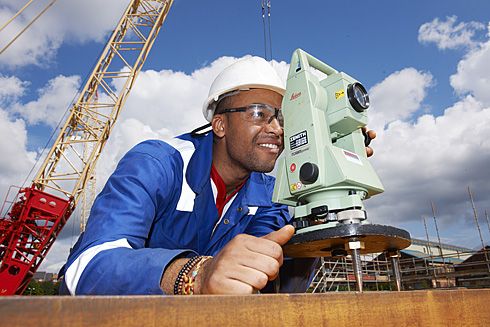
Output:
(187, 196)
(74, 272)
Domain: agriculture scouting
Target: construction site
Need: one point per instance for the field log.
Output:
(359, 272)
(422, 267)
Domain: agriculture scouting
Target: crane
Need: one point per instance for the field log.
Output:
(40, 211)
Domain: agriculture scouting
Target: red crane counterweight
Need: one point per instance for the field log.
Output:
(35, 221)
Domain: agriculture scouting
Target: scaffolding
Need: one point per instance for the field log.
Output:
(426, 271)
(337, 274)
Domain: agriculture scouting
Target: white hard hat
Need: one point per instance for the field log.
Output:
(247, 73)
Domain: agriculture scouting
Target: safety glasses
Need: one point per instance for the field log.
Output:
(258, 113)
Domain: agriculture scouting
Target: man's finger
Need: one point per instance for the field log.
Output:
(265, 247)
(371, 134)
(267, 264)
(369, 151)
(234, 286)
(249, 276)
(281, 236)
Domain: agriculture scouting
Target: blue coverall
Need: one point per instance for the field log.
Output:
(158, 205)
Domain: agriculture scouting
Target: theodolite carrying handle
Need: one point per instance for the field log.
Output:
(302, 60)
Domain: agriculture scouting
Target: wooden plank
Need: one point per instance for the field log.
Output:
(416, 308)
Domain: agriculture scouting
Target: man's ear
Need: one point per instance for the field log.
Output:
(218, 124)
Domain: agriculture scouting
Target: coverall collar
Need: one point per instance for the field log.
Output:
(199, 170)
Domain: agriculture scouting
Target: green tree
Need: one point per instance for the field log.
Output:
(42, 288)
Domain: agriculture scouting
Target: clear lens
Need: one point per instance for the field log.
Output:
(260, 113)
(358, 97)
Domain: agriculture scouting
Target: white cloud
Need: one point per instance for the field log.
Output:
(11, 88)
(398, 97)
(16, 160)
(449, 35)
(53, 101)
(434, 158)
(66, 21)
(473, 74)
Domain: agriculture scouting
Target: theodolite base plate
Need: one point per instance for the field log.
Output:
(321, 242)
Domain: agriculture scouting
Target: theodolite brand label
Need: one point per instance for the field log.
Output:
(295, 95)
(298, 140)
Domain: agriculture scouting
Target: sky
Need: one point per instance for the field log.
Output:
(426, 65)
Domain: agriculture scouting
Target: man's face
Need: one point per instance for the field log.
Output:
(252, 146)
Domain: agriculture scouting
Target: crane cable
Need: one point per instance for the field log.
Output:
(17, 14)
(263, 26)
(269, 21)
(28, 25)
(267, 27)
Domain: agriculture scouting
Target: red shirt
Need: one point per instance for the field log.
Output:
(221, 198)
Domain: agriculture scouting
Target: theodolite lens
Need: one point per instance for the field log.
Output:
(358, 97)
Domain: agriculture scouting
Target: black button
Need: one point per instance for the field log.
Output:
(308, 173)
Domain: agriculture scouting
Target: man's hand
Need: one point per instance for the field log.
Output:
(368, 136)
(245, 264)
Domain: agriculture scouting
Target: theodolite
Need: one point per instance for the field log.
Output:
(324, 173)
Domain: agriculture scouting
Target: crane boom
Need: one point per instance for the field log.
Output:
(40, 212)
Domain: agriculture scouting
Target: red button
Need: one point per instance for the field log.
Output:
(292, 167)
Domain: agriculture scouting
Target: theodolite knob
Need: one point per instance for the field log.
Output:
(308, 173)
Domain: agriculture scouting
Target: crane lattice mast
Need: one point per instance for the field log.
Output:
(40, 211)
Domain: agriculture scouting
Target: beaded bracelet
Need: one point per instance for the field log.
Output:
(183, 272)
(188, 282)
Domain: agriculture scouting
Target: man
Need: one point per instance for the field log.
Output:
(196, 217)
